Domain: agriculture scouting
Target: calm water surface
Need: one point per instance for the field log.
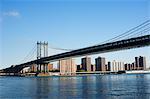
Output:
(133, 86)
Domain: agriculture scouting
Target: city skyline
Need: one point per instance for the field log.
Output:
(100, 64)
(69, 24)
(69, 67)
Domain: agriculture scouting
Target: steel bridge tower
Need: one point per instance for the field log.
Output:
(42, 51)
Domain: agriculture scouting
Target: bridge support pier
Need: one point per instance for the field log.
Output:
(38, 68)
(42, 68)
(45, 68)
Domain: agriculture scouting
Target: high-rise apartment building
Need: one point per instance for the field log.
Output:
(50, 67)
(109, 66)
(126, 66)
(67, 66)
(114, 66)
(86, 63)
(117, 66)
(79, 67)
(100, 64)
(137, 63)
(133, 66)
(92, 67)
(142, 63)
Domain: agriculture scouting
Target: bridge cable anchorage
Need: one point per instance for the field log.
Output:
(143, 25)
(31, 52)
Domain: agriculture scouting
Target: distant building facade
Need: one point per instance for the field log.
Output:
(86, 63)
(117, 66)
(92, 67)
(33, 68)
(108, 66)
(79, 67)
(50, 67)
(136, 63)
(100, 64)
(26, 70)
(67, 66)
(140, 63)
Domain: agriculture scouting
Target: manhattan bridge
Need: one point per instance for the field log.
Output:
(136, 37)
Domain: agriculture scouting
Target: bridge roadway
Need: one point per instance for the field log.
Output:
(107, 47)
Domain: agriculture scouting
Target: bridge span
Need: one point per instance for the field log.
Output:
(130, 43)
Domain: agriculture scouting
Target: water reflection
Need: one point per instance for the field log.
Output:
(142, 87)
(83, 87)
(42, 89)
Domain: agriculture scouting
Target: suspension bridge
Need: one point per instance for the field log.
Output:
(136, 37)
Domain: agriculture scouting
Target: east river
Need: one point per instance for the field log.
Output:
(123, 86)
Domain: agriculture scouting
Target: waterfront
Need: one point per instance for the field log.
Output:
(124, 86)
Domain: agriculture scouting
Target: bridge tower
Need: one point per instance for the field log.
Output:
(42, 51)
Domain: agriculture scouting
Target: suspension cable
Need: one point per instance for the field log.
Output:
(128, 32)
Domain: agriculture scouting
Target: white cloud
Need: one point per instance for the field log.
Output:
(12, 13)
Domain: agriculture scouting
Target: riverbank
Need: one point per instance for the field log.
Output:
(75, 74)
(138, 72)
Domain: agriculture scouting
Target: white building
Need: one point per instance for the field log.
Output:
(117, 66)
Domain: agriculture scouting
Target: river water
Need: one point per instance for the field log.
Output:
(124, 86)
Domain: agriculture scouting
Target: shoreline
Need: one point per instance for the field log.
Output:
(75, 75)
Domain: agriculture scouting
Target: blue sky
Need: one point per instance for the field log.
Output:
(67, 24)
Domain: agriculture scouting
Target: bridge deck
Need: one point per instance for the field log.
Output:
(108, 47)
